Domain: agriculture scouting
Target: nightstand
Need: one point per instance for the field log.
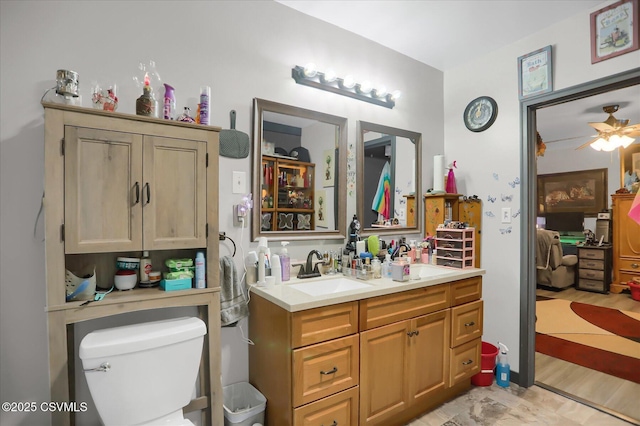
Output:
(594, 268)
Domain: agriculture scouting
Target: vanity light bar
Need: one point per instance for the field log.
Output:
(337, 85)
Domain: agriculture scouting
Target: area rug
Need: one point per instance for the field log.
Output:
(603, 339)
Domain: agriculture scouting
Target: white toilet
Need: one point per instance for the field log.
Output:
(143, 374)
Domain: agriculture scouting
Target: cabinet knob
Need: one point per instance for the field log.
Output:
(333, 370)
(635, 265)
(335, 423)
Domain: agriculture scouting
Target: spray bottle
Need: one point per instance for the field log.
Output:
(503, 371)
(169, 106)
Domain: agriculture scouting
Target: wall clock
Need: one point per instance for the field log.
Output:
(480, 114)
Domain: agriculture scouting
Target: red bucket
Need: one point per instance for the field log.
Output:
(487, 364)
(634, 287)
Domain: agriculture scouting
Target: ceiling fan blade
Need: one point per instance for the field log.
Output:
(586, 144)
(570, 139)
(602, 127)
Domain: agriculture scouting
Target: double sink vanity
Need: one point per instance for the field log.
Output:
(336, 350)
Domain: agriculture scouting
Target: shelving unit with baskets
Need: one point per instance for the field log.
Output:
(455, 247)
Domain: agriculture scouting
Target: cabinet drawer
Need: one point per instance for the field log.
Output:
(591, 274)
(590, 254)
(591, 285)
(632, 265)
(465, 361)
(466, 323)
(625, 277)
(383, 310)
(326, 323)
(464, 291)
(324, 369)
(591, 264)
(339, 409)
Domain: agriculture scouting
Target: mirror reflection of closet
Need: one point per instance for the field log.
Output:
(299, 170)
(388, 179)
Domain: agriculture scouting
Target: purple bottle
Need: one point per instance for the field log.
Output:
(205, 96)
(169, 107)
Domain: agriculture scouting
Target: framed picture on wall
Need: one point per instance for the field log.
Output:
(321, 208)
(582, 191)
(329, 167)
(614, 30)
(535, 73)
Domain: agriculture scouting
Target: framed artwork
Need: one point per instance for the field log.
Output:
(582, 191)
(614, 30)
(321, 208)
(328, 167)
(629, 165)
(535, 76)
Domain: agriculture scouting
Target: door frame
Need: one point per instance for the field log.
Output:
(528, 138)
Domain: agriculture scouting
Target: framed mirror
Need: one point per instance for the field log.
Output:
(388, 179)
(299, 173)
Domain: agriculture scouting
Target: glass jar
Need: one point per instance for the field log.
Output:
(376, 267)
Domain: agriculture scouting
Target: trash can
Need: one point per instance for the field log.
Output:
(487, 364)
(243, 405)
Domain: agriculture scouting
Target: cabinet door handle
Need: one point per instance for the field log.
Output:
(467, 362)
(333, 370)
(469, 324)
(335, 423)
(137, 193)
(146, 185)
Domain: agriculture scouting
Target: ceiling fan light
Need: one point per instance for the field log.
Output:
(625, 141)
(598, 145)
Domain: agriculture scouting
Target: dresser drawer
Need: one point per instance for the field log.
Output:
(591, 264)
(466, 323)
(590, 254)
(593, 285)
(625, 277)
(339, 409)
(591, 274)
(465, 361)
(631, 265)
(324, 369)
(464, 291)
(325, 323)
(383, 310)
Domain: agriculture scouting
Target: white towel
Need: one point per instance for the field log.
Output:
(233, 302)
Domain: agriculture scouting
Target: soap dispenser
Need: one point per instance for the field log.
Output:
(386, 266)
(503, 371)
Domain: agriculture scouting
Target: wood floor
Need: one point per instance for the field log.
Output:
(602, 389)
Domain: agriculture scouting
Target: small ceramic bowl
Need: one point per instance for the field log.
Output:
(131, 263)
(125, 279)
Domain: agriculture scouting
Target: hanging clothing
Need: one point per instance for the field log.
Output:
(382, 199)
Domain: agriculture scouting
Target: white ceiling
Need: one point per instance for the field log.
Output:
(445, 34)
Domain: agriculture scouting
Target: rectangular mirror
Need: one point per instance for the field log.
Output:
(299, 173)
(388, 179)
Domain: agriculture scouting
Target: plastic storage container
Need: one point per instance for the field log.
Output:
(487, 364)
(243, 405)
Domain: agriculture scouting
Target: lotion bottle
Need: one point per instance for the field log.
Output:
(285, 262)
(145, 266)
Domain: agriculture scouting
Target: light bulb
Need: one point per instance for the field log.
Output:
(395, 95)
(365, 87)
(310, 70)
(329, 76)
(380, 92)
(626, 141)
(348, 82)
(598, 144)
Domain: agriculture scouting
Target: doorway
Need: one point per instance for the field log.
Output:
(526, 376)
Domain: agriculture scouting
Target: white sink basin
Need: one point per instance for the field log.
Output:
(330, 286)
(431, 271)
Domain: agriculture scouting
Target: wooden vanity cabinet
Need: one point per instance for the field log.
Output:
(119, 183)
(395, 356)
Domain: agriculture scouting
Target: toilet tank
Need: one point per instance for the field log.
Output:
(152, 368)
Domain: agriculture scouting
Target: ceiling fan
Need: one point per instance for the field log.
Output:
(612, 133)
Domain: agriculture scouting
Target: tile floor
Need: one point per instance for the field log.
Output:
(515, 406)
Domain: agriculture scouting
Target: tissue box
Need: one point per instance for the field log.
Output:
(172, 285)
(400, 271)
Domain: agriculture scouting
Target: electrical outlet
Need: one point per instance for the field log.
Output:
(239, 183)
(240, 212)
(506, 215)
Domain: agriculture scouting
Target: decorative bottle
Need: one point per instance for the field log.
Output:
(147, 104)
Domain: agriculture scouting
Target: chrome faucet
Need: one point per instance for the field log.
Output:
(308, 270)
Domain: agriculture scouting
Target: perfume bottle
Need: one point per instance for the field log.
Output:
(147, 104)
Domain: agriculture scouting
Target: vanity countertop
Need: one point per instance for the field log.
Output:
(288, 297)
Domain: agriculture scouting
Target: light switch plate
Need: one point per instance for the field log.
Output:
(239, 185)
(506, 215)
